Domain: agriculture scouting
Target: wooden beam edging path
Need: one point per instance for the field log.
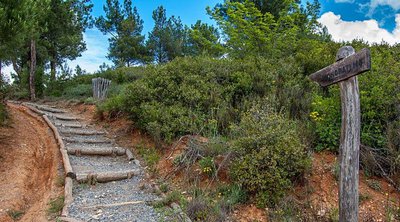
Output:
(348, 65)
(68, 219)
(67, 164)
(69, 174)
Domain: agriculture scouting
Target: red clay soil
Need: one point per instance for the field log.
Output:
(378, 199)
(29, 160)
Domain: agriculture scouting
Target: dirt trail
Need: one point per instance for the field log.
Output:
(29, 160)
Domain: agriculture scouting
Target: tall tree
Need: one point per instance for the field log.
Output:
(158, 37)
(275, 7)
(204, 39)
(247, 30)
(124, 25)
(13, 29)
(252, 29)
(36, 13)
(21, 30)
(63, 38)
(168, 37)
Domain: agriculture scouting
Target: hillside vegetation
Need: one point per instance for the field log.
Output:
(255, 105)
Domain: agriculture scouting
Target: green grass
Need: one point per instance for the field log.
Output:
(56, 205)
(149, 155)
(374, 184)
(172, 197)
(15, 214)
(60, 181)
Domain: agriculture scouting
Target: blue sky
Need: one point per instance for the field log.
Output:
(97, 44)
(372, 20)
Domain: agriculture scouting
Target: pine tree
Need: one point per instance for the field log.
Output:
(124, 25)
(204, 39)
(63, 38)
(168, 38)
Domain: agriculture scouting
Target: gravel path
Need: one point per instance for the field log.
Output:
(122, 200)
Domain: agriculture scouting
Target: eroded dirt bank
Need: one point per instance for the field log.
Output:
(29, 160)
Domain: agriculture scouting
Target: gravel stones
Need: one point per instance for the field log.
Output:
(97, 202)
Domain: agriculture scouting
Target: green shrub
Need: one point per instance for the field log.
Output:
(3, 114)
(231, 195)
(56, 205)
(78, 91)
(15, 214)
(207, 166)
(205, 96)
(270, 154)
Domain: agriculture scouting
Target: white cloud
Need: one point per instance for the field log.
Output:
(95, 55)
(6, 72)
(395, 4)
(368, 30)
(344, 1)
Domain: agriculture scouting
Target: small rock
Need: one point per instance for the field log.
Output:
(321, 212)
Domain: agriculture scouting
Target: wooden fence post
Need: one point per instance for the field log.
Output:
(100, 88)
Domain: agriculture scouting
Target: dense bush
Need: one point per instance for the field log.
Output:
(270, 154)
(78, 91)
(204, 95)
(379, 95)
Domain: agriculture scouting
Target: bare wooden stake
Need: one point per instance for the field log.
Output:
(129, 154)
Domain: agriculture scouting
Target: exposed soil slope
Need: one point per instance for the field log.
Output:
(28, 166)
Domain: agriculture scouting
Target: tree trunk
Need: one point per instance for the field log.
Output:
(17, 69)
(53, 66)
(32, 70)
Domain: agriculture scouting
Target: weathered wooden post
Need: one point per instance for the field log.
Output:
(348, 65)
(100, 88)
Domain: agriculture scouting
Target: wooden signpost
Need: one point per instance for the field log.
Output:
(349, 64)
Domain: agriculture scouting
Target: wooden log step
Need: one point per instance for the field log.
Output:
(106, 151)
(82, 132)
(105, 177)
(46, 108)
(70, 125)
(86, 140)
(67, 219)
(66, 118)
(51, 110)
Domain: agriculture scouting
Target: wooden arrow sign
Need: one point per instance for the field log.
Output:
(344, 69)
